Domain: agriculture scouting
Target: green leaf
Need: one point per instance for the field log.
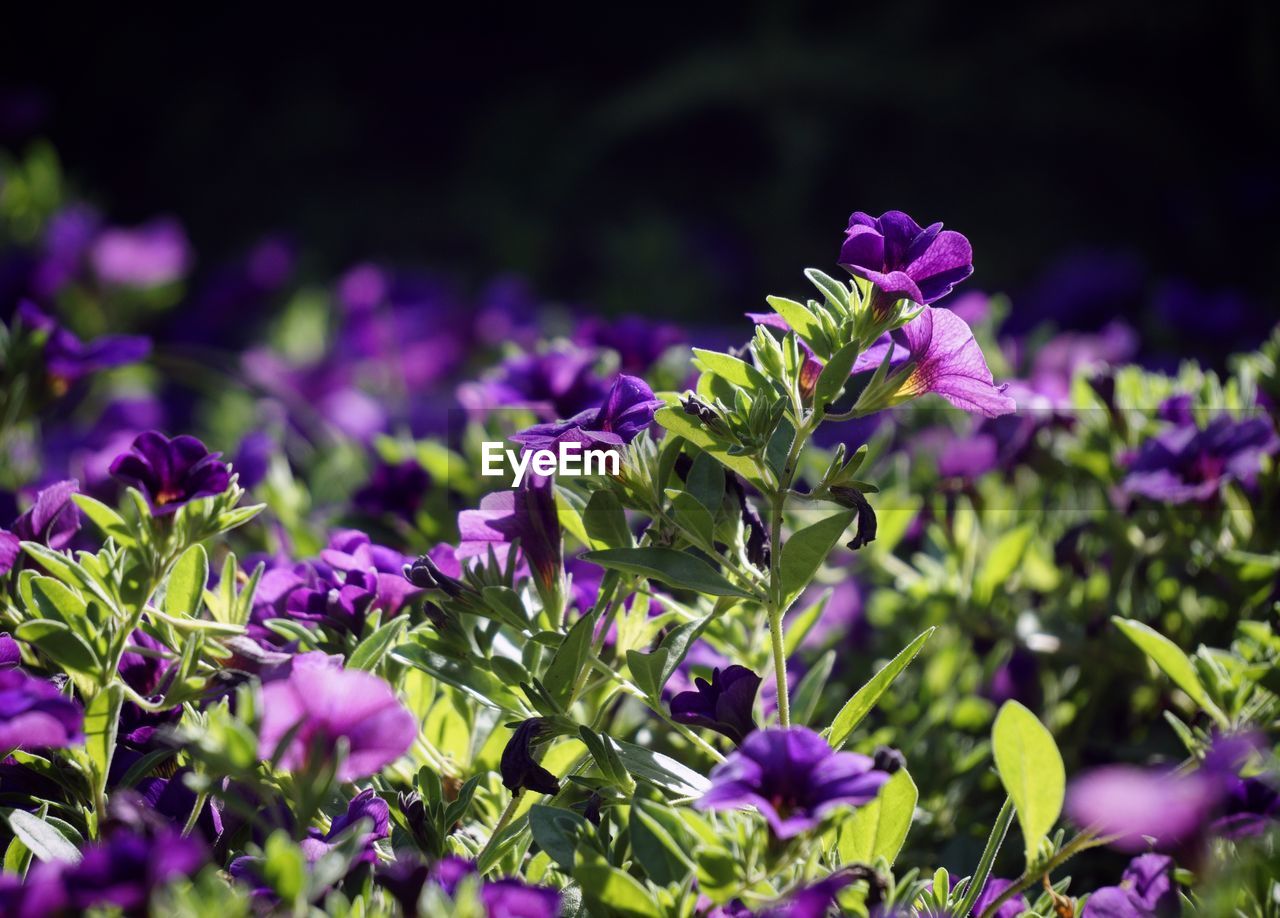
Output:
(879, 828)
(186, 585)
(1170, 658)
(556, 831)
(731, 369)
(616, 892)
(680, 424)
(373, 648)
(483, 686)
(570, 657)
(1031, 770)
(832, 379)
(101, 722)
(805, 700)
(606, 522)
(866, 697)
(57, 601)
(661, 856)
(802, 321)
(59, 643)
(706, 481)
(652, 670)
(804, 552)
(108, 521)
(661, 770)
(835, 292)
(801, 623)
(284, 867)
(1001, 560)
(42, 839)
(692, 517)
(674, 568)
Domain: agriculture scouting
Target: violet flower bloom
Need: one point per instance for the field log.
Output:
(68, 359)
(10, 653)
(353, 552)
(365, 805)
(793, 778)
(527, 514)
(332, 704)
(638, 341)
(394, 490)
(1146, 890)
(520, 770)
(1187, 464)
(627, 410)
(813, 901)
(151, 255)
(946, 361)
(171, 473)
(991, 891)
(35, 715)
(724, 704)
(53, 520)
(505, 898)
(554, 384)
(1142, 806)
(903, 260)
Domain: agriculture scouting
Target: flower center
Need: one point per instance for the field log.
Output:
(167, 496)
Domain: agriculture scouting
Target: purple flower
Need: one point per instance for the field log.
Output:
(991, 890)
(10, 653)
(53, 520)
(1016, 678)
(1146, 890)
(627, 410)
(171, 473)
(1139, 804)
(793, 778)
(555, 384)
(505, 898)
(638, 341)
(394, 490)
(35, 715)
(68, 359)
(814, 901)
(527, 514)
(332, 704)
(724, 704)
(365, 805)
(1187, 464)
(520, 769)
(354, 553)
(946, 360)
(253, 458)
(903, 260)
(151, 255)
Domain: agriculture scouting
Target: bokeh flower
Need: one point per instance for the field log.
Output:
(627, 410)
(1146, 890)
(52, 521)
(1188, 464)
(171, 473)
(151, 255)
(34, 714)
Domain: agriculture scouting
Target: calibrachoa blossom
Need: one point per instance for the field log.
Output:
(793, 778)
(557, 383)
(67, 358)
(171, 473)
(505, 898)
(1137, 804)
(724, 704)
(627, 410)
(332, 704)
(151, 255)
(1188, 464)
(520, 769)
(1146, 890)
(638, 341)
(353, 552)
(53, 520)
(903, 260)
(393, 489)
(34, 714)
(526, 514)
(991, 890)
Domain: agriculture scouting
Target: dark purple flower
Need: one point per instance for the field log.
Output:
(991, 890)
(947, 361)
(354, 553)
(505, 898)
(151, 255)
(332, 704)
(35, 715)
(365, 805)
(520, 768)
(793, 778)
(814, 901)
(53, 520)
(68, 359)
(1017, 678)
(1140, 805)
(638, 341)
(171, 473)
(627, 410)
(903, 260)
(10, 654)
(253, 458)
(724, 704)
(1187, 464)
(394, 490)
(554, 384)
(1147, 890)
(527, 514)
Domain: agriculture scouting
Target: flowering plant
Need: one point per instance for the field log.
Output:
(805, 652)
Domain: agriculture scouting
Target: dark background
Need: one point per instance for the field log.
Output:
(682, 164)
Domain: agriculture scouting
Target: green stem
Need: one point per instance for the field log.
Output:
(201, 799)
(1082, 842)
(994, 841)
(780, 667)
(500, 825)
(777, 602)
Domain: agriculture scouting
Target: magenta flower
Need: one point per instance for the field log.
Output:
(505, 898)
(53, 520)
(332, 704)
(171, 473)
(991, 891)
(793, 778)
(1139, 804)
(151, 255)
(724, 704)
(903, 260)
(35, 715)
(352, 552)
(364, 805)
(1187, 464)
(945, 360)
(1147, 890)
(394, 490)
(527, 514)
(10, 654)
(627, 410)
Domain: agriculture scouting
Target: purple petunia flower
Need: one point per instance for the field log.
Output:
(1188, 464)
(53, 520)
(68, 359)
(171, 473)
(520, 769)
(364, 805)
(527, 514)
(151, 255)
(991, 891)
(627, 410)
(35, 715)
(393, 490)
(1146, 890)
(557, 383)
(332, 704)
(946, 361)
(903, 260)
(501, 898)
(10, 654)
(638, 341)
(1139, 804)
(724, 704)
(354, 553)
(793, 778)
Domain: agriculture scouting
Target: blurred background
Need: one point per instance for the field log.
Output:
(1106, 159)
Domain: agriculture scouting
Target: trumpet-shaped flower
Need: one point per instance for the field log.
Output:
(946, 360)
(903, 260)
(724, 704)
(627, 410)
(171, 473)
